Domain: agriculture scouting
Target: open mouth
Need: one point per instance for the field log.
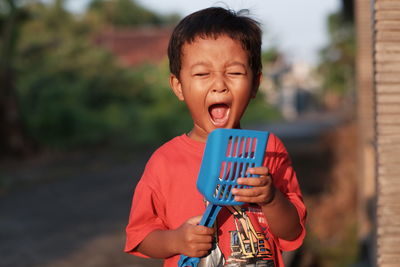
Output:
(219, 114)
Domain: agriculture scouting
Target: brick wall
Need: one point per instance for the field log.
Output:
(387, 99)
(365, 117)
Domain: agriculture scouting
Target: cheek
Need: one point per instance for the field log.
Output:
(194, 101)
(194, 89)
(244, 98)
(245, 91)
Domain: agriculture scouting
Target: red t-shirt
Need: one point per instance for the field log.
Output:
(166, 197)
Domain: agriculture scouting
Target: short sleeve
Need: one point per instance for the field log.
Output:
(286, 245)
(145, 217)
(285, 180)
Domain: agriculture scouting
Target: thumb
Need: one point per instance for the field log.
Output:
(194, 220)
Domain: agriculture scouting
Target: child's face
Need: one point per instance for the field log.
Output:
(216, 83)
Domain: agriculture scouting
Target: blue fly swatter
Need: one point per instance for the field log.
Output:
(229, 153)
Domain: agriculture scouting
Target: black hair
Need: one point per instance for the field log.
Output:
(214, 22)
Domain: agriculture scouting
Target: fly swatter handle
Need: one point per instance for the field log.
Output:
(208, 220)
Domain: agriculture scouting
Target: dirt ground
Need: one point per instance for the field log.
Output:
(68, 210)
(71, 210)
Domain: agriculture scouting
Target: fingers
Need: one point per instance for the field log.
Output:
(264, 178)
(255, 182)
(198, 233)
(196, 240)
(199, 238)
(259, 171)
(260, 188)
(253, 195)
(197, 245)
(248, 195)
(200, 229)
(194, 220)
(203, 230)
(197, 250)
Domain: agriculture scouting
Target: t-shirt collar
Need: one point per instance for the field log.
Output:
(193, 144)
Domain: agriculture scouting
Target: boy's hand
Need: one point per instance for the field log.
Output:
(194, 240)
(262, 191)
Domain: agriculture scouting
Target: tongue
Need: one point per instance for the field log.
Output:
(218, 112)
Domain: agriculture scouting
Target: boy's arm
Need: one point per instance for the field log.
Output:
(280, 213)
(189, 239)
(282, 217)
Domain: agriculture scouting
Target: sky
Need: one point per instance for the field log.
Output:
(297, 28)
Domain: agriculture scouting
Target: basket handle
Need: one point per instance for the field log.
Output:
(207, 220)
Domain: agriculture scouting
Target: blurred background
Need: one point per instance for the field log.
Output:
(85, 99)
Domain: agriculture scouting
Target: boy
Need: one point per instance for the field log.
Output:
(215, 69)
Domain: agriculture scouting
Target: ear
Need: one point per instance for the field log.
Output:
(176, 86)
(256, 84)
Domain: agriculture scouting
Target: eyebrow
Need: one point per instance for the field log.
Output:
(199, 63)
(234, 63)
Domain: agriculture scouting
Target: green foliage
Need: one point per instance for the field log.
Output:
(73, 93)
(271, 55)
(124, 13)
(338, 58)
(259, 111)
(78, 95)
(162, 116)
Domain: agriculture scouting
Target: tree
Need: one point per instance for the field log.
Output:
(74, 93)
(125, 13)
(338, 57)
(13, 140)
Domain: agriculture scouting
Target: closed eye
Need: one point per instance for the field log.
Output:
(201, 74)
(236, 73)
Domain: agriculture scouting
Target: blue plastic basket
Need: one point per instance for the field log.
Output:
(229, 153)
(227, 156)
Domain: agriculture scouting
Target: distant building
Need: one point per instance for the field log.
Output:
(291, 87)
(136, 46)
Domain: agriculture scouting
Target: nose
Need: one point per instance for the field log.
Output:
(219, 85)
(220, 90)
